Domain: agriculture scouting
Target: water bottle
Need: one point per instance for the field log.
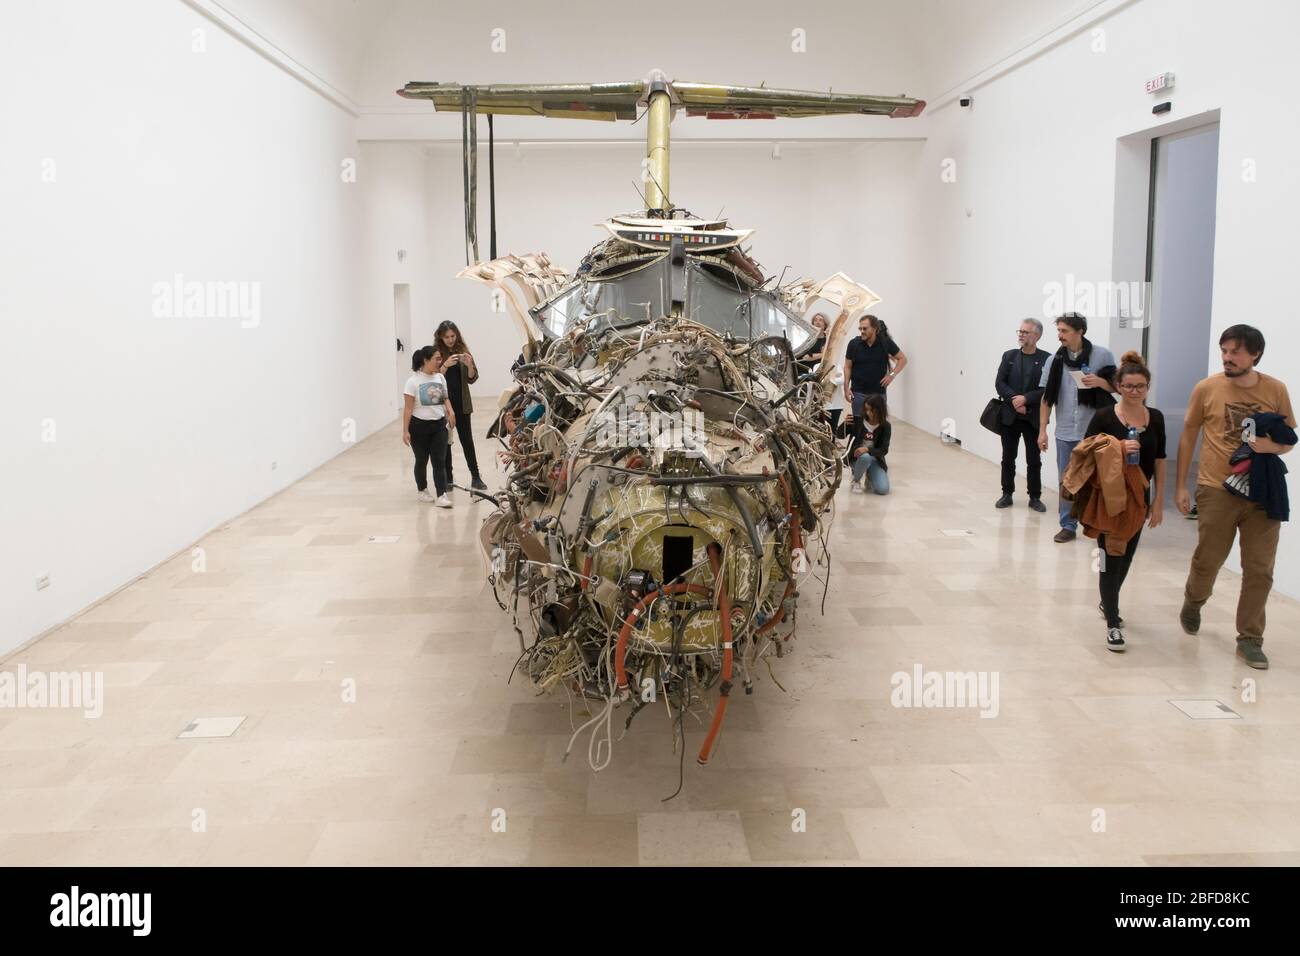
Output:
(1132, 457)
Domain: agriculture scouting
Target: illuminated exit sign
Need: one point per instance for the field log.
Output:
(1164, 81)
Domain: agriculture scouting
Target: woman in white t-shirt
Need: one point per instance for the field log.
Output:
(835, 407)
(426, 416)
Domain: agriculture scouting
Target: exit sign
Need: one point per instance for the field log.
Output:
(1162, 82)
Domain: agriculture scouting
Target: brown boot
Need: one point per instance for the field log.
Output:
(1064, 535)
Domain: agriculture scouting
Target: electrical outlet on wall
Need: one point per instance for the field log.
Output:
(42, 582)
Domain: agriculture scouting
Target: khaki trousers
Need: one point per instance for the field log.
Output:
(1220, 515)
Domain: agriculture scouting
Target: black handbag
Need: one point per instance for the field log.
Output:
(992, 416)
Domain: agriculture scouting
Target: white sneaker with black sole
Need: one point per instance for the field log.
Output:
(1115, 639)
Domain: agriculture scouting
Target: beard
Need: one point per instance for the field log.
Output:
(1232, 371)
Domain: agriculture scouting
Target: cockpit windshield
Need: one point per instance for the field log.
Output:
(723, 304)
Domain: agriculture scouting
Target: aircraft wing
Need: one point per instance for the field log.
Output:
(619, 101)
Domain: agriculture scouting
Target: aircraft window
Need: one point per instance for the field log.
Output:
(721, 306)
(631, 296)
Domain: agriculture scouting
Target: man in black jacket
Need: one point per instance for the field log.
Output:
(1017, 383)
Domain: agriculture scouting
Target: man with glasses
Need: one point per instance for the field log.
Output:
(1018, 384)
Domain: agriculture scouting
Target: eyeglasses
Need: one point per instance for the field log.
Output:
(1139, 387)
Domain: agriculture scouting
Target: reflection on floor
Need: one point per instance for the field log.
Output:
(1086, 760)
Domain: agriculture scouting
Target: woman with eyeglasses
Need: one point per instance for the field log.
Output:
(1132, 381)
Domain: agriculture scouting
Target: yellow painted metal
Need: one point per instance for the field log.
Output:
(656, 150)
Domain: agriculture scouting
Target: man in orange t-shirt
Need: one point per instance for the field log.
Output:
(1218, 406)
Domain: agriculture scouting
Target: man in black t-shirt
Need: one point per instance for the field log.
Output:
(867, 368)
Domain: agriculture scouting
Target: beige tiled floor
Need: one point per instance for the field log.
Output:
(1085, 762)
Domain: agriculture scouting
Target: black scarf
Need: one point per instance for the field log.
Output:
(1091, 397)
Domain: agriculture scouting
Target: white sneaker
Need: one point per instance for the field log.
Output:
(424, 496)
(855, 486)
(443, 501)
(1114, 639)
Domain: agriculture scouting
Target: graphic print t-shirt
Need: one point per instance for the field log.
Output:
(429, 392)
(1221, 407)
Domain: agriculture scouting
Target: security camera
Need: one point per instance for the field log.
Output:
(965, 100)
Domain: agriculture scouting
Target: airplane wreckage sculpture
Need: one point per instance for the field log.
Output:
(670, 474)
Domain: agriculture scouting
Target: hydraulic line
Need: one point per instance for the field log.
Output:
(724, 689)
(796, 542)
(624, 635)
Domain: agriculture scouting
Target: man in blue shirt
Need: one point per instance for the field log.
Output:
(1077, 381)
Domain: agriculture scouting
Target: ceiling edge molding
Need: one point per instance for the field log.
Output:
(265, 47)
(1034, 48)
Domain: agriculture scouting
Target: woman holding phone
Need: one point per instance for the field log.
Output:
(461, 372)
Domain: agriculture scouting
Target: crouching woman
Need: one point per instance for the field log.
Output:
(870, 445)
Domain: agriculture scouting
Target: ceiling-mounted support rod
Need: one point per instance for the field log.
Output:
(656, 147)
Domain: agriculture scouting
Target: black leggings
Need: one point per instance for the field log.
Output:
(1114, 569)
(429, 442)
(833, 414)
(466, 436)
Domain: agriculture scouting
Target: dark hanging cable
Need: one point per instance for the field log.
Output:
(492, 193)
(473, 170)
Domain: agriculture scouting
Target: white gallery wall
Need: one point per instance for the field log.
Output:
(1034, 194)
(141, 150)
(395, 249)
